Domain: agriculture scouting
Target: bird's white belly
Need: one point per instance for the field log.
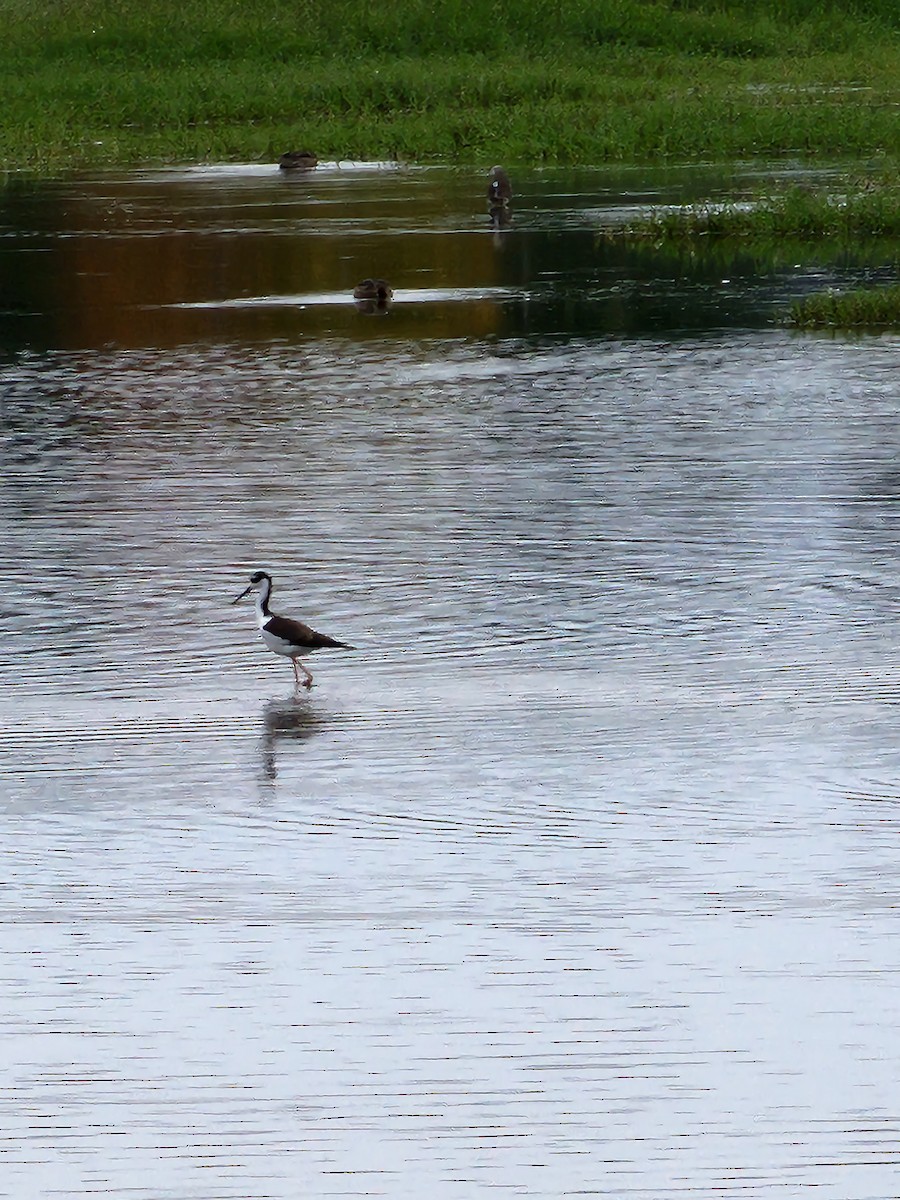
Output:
(279, 646)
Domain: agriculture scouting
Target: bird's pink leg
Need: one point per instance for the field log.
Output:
(307, 679)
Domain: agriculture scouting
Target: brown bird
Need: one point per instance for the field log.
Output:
(298, 160)
(283, 635)
(499, 188)
(378, 290)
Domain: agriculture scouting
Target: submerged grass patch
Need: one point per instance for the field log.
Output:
(859, 216)
(529, 81)
(860, 208)
(862, 308)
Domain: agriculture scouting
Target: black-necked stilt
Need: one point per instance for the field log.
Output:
(282, 635)
(298, 160)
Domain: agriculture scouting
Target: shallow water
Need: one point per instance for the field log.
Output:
(578, 876)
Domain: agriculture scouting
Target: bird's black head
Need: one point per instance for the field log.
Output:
(260, 581)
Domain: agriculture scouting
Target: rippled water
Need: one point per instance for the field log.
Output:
(578, 876)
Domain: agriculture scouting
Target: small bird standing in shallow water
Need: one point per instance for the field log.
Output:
(283, 635)
(499, 194)
(499, 188)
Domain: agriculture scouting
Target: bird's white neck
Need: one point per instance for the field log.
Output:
(262, 601)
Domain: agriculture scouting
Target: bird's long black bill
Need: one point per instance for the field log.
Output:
(242, 595)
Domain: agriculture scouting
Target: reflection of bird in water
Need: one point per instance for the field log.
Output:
(283, 635)
(285, 720)
(373, 295)
(499, 196)
(298, 160)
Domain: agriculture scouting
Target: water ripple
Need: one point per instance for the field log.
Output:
(576, 877)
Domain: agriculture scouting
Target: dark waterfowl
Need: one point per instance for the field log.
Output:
(282, 634)
(378, 290)
(499, 189)
(298, 160)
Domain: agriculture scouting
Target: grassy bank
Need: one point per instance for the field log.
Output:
(862, 308)
(532, 81)
(860, 215)
(859, 208)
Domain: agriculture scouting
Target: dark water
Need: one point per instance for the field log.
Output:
(241, 254)
(579, 876)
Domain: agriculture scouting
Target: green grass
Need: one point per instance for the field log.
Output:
(859, 208)
(859, 216)
(528, 81)
(863, 308)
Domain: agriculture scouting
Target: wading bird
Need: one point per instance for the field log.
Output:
(282, 635)
(499, 188)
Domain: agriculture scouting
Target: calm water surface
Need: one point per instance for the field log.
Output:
(579, 877)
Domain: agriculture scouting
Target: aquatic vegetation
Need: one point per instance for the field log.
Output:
(859, 208)
(862, 308)
(859, 213)
(121, 81)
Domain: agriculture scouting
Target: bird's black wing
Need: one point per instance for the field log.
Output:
(302, 635)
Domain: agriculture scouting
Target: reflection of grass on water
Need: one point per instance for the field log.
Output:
(863, 308)
(581, 81)
(785, 227)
